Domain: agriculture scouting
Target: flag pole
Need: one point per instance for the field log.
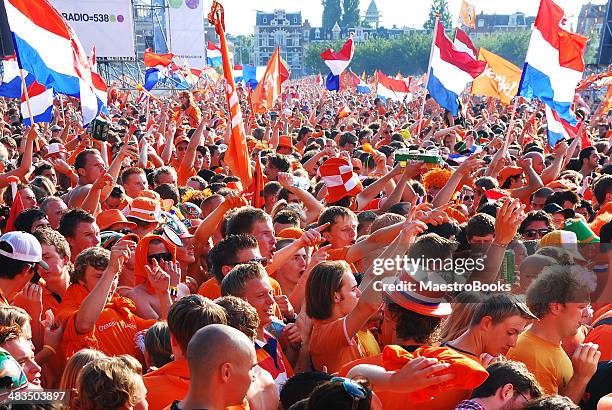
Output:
(433, 43)
(27, 96)
(510, 125)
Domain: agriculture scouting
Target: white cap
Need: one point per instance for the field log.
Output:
(25, 247)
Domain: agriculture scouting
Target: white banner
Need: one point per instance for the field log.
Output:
(106, 24)
(185, 25)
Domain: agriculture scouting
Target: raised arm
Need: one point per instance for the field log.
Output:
(534, 184)
(468, 166)
(371, 298)
(313, 207)
(368, 194)
(92, 201)
(190, 154)
(94, 303)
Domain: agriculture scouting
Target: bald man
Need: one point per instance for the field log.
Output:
(531, 267)
(221, 361)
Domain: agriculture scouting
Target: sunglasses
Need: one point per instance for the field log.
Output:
(165, 256)
(468, 197)
(532, 233)
(353, 389)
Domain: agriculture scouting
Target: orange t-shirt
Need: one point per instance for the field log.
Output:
(182, 177)
(445, 400)
(339, 254)
(117, 330)
(601, 334)
(212, 290)
(330, 346)
(166, 384)
(50, 300)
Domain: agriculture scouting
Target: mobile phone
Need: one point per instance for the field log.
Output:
(35, 278)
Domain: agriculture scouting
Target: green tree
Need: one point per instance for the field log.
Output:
(511, 46)
(332, 13)
(243, 49)
(350, 13)
(438, 7)
(410, 53)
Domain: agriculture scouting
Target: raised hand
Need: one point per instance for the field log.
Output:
(159, 280)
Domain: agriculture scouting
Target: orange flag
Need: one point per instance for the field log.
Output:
(500, 79)
(237, 154)
(467, 15)
(269, 88)
(606, 103)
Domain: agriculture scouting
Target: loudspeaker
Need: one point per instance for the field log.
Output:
(605, 43)
(6, 38)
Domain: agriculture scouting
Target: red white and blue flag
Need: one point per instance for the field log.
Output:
(557, 128)
(11, 85)
(393, 88)
(554, 63)
(450, 70)
(213, 55)
(47, 47)
(463, 43)
(337, 63)
(157, 67)
(41, 103)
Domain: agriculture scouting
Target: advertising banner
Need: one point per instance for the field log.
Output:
(106, 24)
(186, 31)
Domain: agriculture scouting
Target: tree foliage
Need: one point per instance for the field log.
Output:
(511, 46)
(438, 7)
(332, 13)
(410, 54)
(350, 13)
(243, 49)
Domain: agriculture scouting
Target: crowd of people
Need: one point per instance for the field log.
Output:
(381, 259)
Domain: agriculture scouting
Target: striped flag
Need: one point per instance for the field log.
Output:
(48, 48)
(554, 63)
(450, 70)
(237, 154)
(41, 103)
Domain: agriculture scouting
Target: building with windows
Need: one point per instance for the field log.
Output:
(591, 19)
(495, 23)
(280, 29)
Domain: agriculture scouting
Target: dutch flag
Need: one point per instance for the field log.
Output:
(47, 47)
(554, 63)
(337, 63)
(213, 55)
(450, 70)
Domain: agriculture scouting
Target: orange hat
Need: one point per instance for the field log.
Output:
(140, 261)
(285, 141)
(558, 184)
(145, 209)
(508, 172)
(165, 204)
(110, 217)
(290, 233)
(422, 301)
(180, 139)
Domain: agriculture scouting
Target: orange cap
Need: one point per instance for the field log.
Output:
(110, 217)
(508, 172)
